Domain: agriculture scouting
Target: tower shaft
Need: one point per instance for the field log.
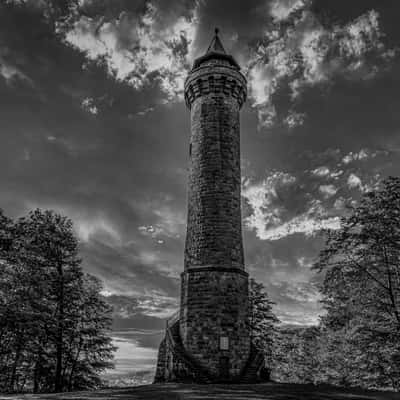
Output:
(214, 234)
(210, 341)
(214, 293)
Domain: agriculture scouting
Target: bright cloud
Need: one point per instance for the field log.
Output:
(354, 181)
(137, 49)
(307, 53)
(261, 197)
(361, 155)
(321, 171)
(281, 9)
(308, 224)
(272, 221)
(89, 106)
(328, 190)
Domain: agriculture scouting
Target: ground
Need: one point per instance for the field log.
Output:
(214, 392)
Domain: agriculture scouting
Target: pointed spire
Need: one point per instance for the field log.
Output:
(215, 51)
(216, 45)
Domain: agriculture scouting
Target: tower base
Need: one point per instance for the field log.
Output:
(174, 364)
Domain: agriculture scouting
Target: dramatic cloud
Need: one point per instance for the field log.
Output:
(281, 9)
(261, 198)
(139, 49)
(270, 214)
(304, 53)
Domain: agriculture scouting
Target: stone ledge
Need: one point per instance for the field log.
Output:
(210, 268)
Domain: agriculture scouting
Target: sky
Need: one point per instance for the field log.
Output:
(94, 126)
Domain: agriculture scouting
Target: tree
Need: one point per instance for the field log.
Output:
(361, 289)
(296, 354)
(54, 323)
(49, 240)
(262, 320)
(88, 346)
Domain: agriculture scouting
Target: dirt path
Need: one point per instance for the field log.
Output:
(218, 392)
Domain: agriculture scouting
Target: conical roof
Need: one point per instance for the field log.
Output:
(216, 45)
(215, 51)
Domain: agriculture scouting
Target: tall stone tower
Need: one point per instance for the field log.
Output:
(209, 340)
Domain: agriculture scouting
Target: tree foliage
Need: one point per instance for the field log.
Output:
(358, 340)
(361, 292)
(262, 320)
(296, 354)
(53, 321)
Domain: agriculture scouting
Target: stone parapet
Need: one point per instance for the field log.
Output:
(215, 79)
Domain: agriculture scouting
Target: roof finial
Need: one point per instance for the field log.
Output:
(216, 45)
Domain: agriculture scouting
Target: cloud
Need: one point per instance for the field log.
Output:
(354, 181)
(305, 53)
(89, 106)
(139, 48)
(272, 219)
(128, 307)
(98, 227)
(328, 190)
(280, 10)
(312, 221)
(294, 119)
(357, 156)
(11, 72)
(321, 171)
(261, 198)
(289, 280)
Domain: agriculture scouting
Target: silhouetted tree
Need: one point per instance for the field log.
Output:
(53, 321)
(262, 320)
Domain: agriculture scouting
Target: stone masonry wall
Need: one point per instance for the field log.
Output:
(214, 292)
(214, 234)
(214, 304)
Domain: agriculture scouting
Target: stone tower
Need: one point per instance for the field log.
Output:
(209, 339)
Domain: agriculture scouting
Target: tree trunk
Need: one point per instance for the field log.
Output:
(14, 368)
(36, 373)
(75, 361)
(59, 339)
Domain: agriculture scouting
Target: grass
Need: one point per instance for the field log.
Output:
(270, 391)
